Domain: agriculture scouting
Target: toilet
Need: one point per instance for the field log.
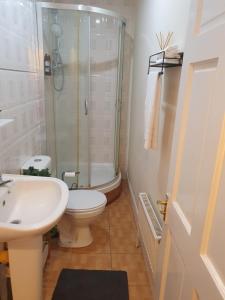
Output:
(83, 207)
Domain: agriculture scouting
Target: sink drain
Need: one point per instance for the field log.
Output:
(15, 221)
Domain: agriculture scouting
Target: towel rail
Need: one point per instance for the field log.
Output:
(164, 63)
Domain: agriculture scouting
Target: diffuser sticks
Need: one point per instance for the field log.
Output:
(164, 40)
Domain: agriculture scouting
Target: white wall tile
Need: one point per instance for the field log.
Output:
(21, 86)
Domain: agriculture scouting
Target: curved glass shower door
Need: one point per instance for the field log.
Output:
(83, 92)
(67, 91)
(84, 179)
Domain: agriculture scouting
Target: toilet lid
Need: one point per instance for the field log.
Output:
(85, 200)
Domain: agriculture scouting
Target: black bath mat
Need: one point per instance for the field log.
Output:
(91, 285)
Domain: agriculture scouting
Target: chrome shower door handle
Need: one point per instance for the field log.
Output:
(86, 107)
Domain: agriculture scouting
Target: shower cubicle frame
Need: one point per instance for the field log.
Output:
(84, 8)
(91, 9)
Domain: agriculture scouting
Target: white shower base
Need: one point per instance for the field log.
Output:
(101, 173)
(102, 176)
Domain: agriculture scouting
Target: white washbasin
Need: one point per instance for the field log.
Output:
(35, 203)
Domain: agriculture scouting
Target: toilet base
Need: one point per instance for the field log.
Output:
(79, 237)
(74, 226)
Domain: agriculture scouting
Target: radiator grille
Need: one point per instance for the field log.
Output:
(150, 230)
(151, 216)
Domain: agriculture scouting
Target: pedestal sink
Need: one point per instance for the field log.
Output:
(29, 207)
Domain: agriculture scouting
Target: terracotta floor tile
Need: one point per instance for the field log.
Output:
(120, 208)
(58, 259)
(123, 240)
(140, 293)
(47, 293)
(103, 220)
(124, 199)
(91, 261)
(120, 214)
(50, 276)
(118, 220)
(134, 265)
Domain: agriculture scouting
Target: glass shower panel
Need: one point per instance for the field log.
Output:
(84, 99)
(121, 27)
(104, 68)
(65, 85)
(49, 107)
(65, 40)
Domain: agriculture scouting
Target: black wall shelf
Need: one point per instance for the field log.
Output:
(164, 63)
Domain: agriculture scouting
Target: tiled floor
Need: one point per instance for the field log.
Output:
(114, 248)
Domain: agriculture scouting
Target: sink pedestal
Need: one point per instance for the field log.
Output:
(25, 260)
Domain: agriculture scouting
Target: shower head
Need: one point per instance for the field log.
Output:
(56, 30)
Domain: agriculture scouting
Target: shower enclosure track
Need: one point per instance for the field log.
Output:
(84, 8)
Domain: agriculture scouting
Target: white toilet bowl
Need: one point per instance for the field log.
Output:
(83, 207)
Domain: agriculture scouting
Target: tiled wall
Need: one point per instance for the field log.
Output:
(127, 9)
(21, 92)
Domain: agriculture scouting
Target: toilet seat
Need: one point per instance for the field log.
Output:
(85, 200)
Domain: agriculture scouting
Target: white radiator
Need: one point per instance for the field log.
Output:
(150, 229)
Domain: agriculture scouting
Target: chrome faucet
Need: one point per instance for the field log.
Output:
(3, 182)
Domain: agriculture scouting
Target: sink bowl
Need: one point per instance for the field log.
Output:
(30, 205)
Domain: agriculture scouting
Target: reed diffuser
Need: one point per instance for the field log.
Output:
(164, 40)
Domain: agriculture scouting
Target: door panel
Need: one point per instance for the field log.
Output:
(176, 270)
(216, 242)
(198, 114)
(175, 283)
(197, 181)
(213, 244)
(212, 13)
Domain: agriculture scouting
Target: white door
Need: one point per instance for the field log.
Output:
(193, 259)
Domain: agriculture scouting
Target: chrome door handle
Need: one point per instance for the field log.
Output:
(86, 107)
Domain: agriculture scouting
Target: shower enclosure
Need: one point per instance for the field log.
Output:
(83, 91)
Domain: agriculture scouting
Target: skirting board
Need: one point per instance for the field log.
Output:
(134, 205)
(141, 243)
